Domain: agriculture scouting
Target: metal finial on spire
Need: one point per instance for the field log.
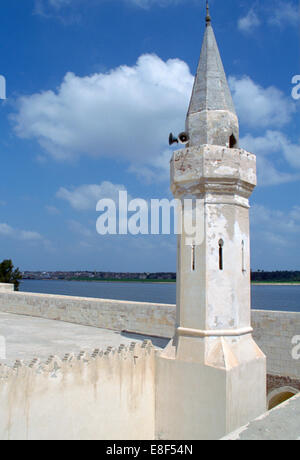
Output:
(208, 18)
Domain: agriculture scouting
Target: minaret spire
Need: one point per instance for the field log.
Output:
(211, 117)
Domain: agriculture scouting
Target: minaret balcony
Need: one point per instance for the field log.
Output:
(215, 170)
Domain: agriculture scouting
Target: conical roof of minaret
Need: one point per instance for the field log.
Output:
(211, 90)
(211, 118)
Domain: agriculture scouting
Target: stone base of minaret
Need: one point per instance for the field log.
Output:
(208, 387)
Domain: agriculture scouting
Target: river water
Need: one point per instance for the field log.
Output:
(285, 298)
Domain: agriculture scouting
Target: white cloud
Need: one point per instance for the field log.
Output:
(268, 174)
(158, 168)
(80, 229)
(126, 113)
(85, 197)
(29, 235)
(249, 22)
(263, 145)
(260, 107)
(275, 237)
(26, 235)
(59, 3)
(273, 142)
(284, 13)
(279, 13)
(284, 226)
(52, 210)
(6, 230)
(295, 214)
(50, 7)
(149, 3)
(292, 153)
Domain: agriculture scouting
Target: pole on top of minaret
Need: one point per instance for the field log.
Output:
(208, 18)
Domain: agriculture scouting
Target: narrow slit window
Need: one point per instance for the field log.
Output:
(243, 257)
(193, 258)
(221, 261)
(232, 142)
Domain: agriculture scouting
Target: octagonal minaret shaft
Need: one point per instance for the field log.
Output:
(211, 117)
(213, 291)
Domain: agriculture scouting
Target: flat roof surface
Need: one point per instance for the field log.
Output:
(25, 338)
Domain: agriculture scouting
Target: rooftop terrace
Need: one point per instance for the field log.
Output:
(27, 338)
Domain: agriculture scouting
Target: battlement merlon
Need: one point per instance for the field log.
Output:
(213, 169)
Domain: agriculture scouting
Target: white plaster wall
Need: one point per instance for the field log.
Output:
(100, 398)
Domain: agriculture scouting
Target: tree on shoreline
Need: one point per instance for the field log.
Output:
(10, 275)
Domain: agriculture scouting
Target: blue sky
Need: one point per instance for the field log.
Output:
(93, 89)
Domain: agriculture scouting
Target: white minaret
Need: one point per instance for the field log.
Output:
(211, 378)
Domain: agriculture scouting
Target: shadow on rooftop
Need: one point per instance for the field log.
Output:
(159, 342)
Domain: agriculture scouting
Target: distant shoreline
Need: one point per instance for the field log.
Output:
(271, 283)
(254, 283)
(109, 281)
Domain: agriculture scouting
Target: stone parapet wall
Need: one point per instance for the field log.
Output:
(274, 332)
(138, 317)
(6, 287)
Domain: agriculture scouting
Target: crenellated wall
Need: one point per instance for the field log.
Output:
(106, 396)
